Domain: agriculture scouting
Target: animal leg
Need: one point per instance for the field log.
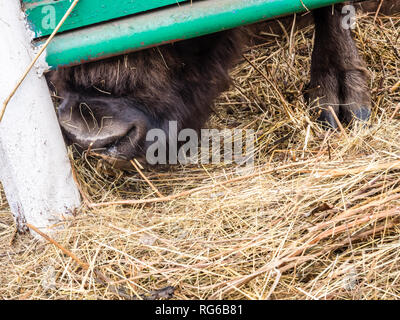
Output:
(338, 75)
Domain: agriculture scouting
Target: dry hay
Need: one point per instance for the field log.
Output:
(317, 218)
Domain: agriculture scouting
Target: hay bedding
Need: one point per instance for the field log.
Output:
(317, 218)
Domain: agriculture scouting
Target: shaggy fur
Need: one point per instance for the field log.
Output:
(174, 82)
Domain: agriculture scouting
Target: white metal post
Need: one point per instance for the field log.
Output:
(34, 168)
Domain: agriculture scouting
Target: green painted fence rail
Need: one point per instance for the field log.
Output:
(167, 25)
(44, 15)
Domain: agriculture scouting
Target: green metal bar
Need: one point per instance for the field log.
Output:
(44, 15)
(166, 26)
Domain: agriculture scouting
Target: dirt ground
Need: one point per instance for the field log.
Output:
(316, 218)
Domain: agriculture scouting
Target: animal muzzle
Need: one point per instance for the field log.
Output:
(113, 126)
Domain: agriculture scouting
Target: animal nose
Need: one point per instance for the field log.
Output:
(102, 122)
(131, 144)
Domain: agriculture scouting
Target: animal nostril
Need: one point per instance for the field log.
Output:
(132, 143)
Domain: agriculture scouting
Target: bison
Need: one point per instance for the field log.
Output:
(109, 105)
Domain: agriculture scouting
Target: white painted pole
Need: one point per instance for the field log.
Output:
(34, 168)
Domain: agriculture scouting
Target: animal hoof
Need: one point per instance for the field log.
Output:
(361, 113)
(327, 120)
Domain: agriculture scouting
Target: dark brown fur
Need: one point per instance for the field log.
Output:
(174, 82)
